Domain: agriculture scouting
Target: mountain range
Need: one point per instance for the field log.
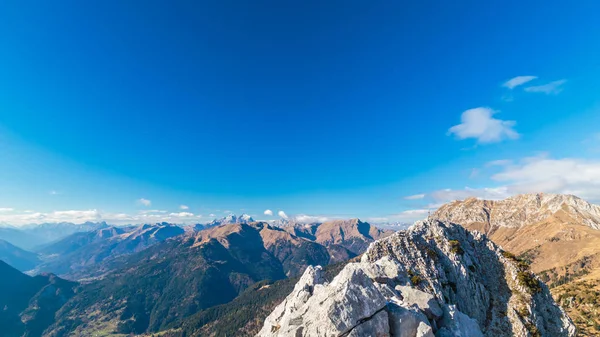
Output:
(475, 268)
(35, 236)
(86, 254)
(195, 271)
(559, 235)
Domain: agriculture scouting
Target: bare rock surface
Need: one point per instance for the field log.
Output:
(434, 279)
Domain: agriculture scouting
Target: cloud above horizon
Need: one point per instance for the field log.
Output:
(144, 202)
(282, 214)
(94, 215)
(184, 207)
(517, 81)
(551, 88)
(268, 212)
(415, 197)
(539, 174)
(479, 124)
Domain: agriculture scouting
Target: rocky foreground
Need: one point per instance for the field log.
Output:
(435, 279)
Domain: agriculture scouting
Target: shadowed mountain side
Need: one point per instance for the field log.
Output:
(29, 303)
(17, 257)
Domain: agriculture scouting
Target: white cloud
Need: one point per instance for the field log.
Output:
(478, 123)
(539, 174)
(415, 197)
(184, 207)
(6, 209)
(53, 193)
(80, 216)
(182, 214)
(282, 214)
(551, 88)
(543, 174)
(517, 81)
(303, 218)
(76, 216)
(144, 202)
(149, 211)
(268, 212)
(211, 215)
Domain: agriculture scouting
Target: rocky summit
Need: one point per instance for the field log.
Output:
(434, 279)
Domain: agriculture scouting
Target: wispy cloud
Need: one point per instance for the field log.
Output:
(517, 81)
(53, 192)
(303, 218)
(499, 162)
(268, 212)
(479, 124)
(415, 197)
(144, 202)
(282, 214)
(149, 211)
(184, 207)
(6, 209)
(447, 195)
(541, 173)
(551, 88)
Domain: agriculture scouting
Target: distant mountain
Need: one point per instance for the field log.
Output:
(35, 236)
(353, 235)
(79, 255)
(558, 234)
(30, 303)
(17, 257)
(160, 287)
(165, 283)
(231, 219)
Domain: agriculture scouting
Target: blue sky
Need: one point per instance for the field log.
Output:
(111, 110)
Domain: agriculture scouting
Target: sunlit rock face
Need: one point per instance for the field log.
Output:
(434, 279)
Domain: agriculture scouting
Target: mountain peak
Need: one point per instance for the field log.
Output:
(434, 278)
(519, 210)
(231, 219)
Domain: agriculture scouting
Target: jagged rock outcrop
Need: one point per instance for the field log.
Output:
(557, 234)
(435, 279)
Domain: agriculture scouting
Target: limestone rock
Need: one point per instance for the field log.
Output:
(435, 278)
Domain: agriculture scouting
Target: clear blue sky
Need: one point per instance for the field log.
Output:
(336, 108)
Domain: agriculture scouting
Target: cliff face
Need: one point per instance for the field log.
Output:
(435, 278)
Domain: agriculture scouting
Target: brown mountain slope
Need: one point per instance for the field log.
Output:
(552, 230)
(353, 234)
(558, 234)
(160, 287)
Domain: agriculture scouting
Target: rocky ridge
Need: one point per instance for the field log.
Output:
(518, 211)
(434, 279)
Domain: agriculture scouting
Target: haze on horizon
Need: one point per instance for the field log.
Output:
(185, 112)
